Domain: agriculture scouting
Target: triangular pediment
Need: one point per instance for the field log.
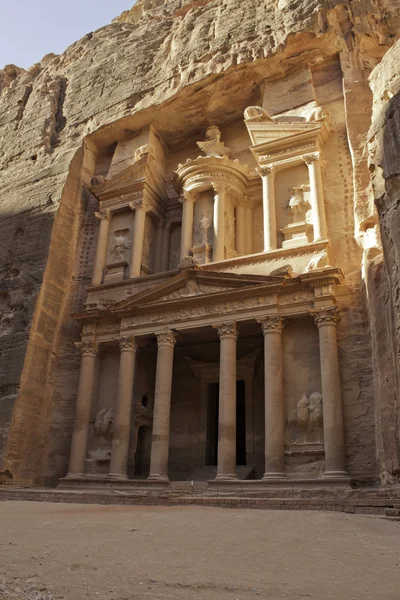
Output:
(192, 285)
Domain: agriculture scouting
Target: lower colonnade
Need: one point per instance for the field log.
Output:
(272, 325)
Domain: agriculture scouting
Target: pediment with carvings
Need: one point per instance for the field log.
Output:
(194, 286)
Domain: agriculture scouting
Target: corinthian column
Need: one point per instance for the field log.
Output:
(187, 224)
(122, 422)
(162, 407)
(219, 222)
(335, 461)
(138, 236)
(226, 468)
(269, 207)
(274, 401)
(316, 196)
(84, 397)
(101, 250)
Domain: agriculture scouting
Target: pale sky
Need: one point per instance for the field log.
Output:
(29, 29)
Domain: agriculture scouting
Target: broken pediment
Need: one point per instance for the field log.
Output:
(282, 140)
(133, 178)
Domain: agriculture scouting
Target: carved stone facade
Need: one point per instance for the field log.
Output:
(206, 243)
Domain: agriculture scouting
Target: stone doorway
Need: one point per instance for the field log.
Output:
(212, 423)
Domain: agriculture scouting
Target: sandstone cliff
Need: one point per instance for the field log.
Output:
(207, 59)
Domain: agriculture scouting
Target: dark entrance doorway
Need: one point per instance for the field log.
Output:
(212, 423)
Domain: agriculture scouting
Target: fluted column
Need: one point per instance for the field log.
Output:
(241, 229)
(158, 247)
(269, 208)
(162, 407)
(138, 236)
(187, 200)
(274, 400)
(335, 460)
(226, 468)
(219, 222)
(165, 246)
(123, 412)
(83, 408)
(102, 243)
(316, 196)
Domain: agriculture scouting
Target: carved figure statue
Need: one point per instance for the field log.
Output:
(203, 228)
(119, 246)
(147, 243)
(212, 145)
(298, 205)
(310, 416)
(104, 424)
(230, 230)
(256, 113)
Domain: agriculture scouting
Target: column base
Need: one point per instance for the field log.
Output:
(226, 477)
(335, 475)
(74, 476)
(117, 476)
(277, 475)
(159, 478)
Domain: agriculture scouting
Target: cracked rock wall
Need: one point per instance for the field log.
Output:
(184, 52)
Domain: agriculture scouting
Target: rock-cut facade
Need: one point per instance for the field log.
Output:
(199, 255)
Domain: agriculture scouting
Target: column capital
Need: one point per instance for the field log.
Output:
(88, 348)
(188, 196)
(128, 343)
(226, 330)
(138, 204)
(266, 170)
(166, 338)
(220, 188)
(310, 158)
(103, 214)
(326, 316)
(271, 324)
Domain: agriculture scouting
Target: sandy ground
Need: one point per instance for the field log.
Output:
(75, 552)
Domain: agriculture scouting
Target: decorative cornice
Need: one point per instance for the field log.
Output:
(128, 343)
(166, 338)
(326, 316)
(227, 330)
(88, 348)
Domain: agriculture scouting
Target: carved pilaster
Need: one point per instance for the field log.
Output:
(227, 330)
(326, 316)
